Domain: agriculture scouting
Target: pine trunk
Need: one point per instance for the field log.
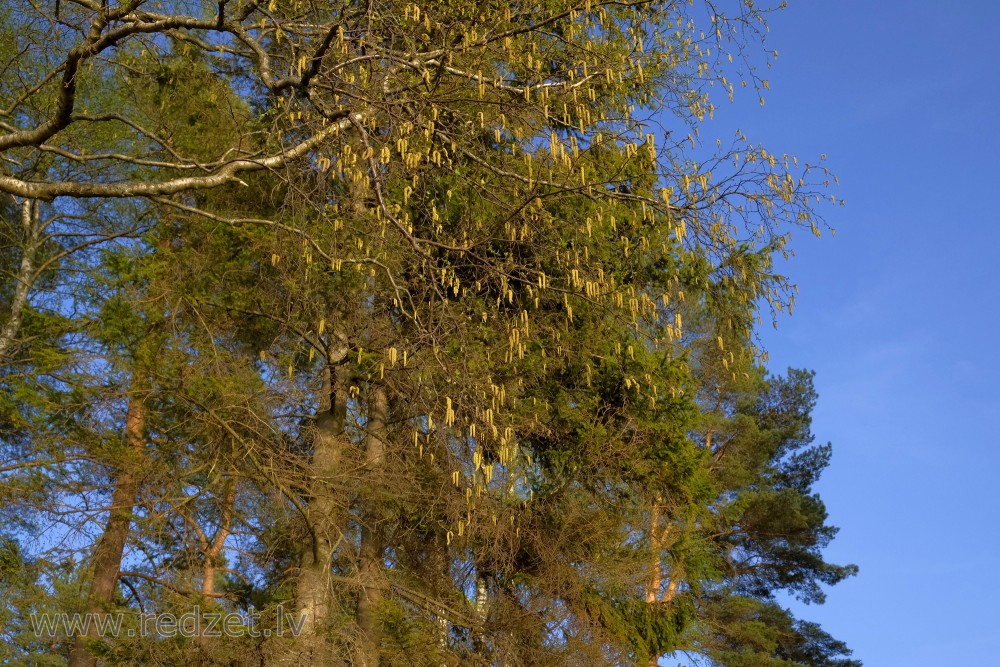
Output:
(107, 559)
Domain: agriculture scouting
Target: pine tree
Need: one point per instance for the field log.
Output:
(412, 327)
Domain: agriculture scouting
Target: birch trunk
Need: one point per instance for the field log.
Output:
(25, 276)
(372, 541)
(325, 503)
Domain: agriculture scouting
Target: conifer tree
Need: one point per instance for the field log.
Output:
(429, 324)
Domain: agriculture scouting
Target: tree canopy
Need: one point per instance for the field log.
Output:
(424, 332)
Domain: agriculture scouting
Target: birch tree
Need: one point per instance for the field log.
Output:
(449, 277)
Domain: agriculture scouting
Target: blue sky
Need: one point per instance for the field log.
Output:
(898, 312)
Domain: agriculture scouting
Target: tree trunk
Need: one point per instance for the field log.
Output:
(656, 538)
(214, 550)
(655, 571)
(372, 541)
(107, 558)
(325, 503)
(25, 275)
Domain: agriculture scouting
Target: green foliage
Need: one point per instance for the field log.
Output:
(405, 318)
(648, 630)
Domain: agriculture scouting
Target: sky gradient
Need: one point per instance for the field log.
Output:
(897, 312)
